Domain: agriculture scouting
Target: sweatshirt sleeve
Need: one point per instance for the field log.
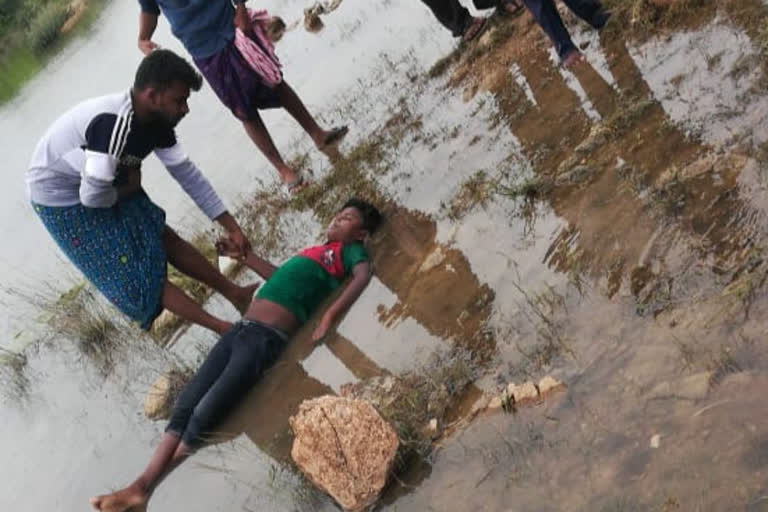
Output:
(191, 179)
(103, 145)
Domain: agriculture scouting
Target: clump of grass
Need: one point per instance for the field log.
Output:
(626, 116)
(532, 188)
(477, 189)
(45, 28)
(443, 64)
(14, 381)
(80, 316)
(643, 18)
(409, 401)
(721, 365)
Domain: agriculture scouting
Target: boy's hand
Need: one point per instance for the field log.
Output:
(237, 237)
(321, 331)
(226, 247)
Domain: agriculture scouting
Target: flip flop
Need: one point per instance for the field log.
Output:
(294, 186)
(474, 29)
(335, 135)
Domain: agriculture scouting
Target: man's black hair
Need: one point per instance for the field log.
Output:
(370, 214)
(161, 68)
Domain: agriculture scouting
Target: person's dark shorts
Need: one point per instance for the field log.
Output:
(236, 84)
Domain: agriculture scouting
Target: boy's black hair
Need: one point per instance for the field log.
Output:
(370, 214)
(161, 68)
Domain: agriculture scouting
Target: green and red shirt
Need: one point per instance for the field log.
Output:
(303, 282)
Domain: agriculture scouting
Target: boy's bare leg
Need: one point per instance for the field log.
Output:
(179, 303)
(293, 104)
(187, 259)
(169, 454)
(263, 140)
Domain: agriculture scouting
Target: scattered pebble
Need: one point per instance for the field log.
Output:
(655, 441)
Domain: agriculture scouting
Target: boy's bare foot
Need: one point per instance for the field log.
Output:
(572, 59)
(120, 501)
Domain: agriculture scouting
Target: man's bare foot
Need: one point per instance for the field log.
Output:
(572, 59)
(120, 501)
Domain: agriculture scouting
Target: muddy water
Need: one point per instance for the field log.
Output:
(632, 271)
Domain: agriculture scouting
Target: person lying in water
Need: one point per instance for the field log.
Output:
(283, 303)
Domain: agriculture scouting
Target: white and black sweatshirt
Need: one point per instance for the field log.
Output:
(79, 158)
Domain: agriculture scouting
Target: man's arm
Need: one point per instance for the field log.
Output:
(195, 184)
(361, 276)
(147, 25)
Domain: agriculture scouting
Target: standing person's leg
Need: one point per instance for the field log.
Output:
(187, 259)
(180, 304)
(293, 104)
(545, 13)
(171, 451)
(258, 133)
(451, 14)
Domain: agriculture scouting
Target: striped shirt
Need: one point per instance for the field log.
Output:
(79, 159)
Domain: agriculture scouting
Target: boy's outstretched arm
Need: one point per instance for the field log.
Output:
(264, 268)
(361, 275)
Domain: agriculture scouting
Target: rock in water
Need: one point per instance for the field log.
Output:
(548, 385)
(157, 404)
(161, 396)
(344, 447)
(525, 393)
(312, 21)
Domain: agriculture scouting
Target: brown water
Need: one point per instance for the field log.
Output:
(633, 270)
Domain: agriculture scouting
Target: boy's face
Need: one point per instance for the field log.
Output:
(347, 226)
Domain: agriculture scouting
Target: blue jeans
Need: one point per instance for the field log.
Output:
(545, 13)
(231, 369)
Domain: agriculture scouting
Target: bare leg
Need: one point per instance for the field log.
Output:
(293, 104)
(179, 303)
(170, 453)
(185, 257)
(260, 136)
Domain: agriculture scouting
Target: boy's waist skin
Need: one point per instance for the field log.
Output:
(272, 314)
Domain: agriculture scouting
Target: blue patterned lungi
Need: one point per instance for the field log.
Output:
(119, 249)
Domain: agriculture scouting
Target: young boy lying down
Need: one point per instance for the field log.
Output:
(283, 303)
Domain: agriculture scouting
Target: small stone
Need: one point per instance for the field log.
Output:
(655, 441)
(525, 393)
(548, 385)
(432, 425)
(480, 404)
(495, 403)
